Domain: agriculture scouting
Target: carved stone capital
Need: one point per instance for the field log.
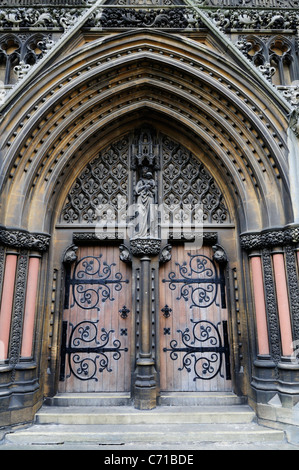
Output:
(21, 239)
(145, 246)
(270, 238)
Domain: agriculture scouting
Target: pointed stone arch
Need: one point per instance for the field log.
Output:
(174, 82)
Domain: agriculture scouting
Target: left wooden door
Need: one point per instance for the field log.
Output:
(96, 333)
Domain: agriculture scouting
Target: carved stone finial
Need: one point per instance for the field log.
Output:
(267, 70)
(291, 94)
(21, 70)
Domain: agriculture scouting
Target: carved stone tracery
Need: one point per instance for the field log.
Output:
(186, 182)
(101, 184)
(186, 185)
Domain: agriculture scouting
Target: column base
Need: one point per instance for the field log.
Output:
(145, 390)
(145, 398)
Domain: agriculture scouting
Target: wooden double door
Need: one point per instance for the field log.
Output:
(191, 340)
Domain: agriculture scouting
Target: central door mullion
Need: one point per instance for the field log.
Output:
(145, 383)
(145, 344)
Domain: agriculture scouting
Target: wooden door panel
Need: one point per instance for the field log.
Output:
(194, 348)
(95, 352)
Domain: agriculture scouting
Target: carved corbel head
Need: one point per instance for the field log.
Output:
(125, 254)
(165, 254)
(220, 255)
(70, 255)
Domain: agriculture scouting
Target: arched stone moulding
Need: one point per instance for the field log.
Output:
(111, 81)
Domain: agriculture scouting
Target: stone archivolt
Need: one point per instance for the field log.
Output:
(186, 81)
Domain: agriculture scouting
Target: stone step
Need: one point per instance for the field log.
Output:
(161, 434)
(128, 415)
(90, 399)
(200, 398)
(165, 399)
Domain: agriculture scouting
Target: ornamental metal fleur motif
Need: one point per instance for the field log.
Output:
(198, 280)
(203, 353)
(88, 355)
(124, 312)
(93, 282)
(166, 311)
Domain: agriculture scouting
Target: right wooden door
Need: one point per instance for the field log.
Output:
(194, 336)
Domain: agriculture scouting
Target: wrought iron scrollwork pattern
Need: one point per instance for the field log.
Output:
(92, 282)
(202, 353)
(88, 355)
(198, 280)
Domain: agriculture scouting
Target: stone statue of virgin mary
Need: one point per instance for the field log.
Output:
(145, 200)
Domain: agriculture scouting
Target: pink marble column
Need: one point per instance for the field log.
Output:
(30, 307)
(7, 303)
(283, 304)
(260, 305)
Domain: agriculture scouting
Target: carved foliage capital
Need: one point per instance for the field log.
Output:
(145, 246)
(271, 238)
(22, 239)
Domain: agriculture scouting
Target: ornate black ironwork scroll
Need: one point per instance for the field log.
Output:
(198, 280)
(204, 352)
(92, 282)
(88, 355)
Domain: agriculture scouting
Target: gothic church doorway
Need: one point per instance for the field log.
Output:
(106, 299)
